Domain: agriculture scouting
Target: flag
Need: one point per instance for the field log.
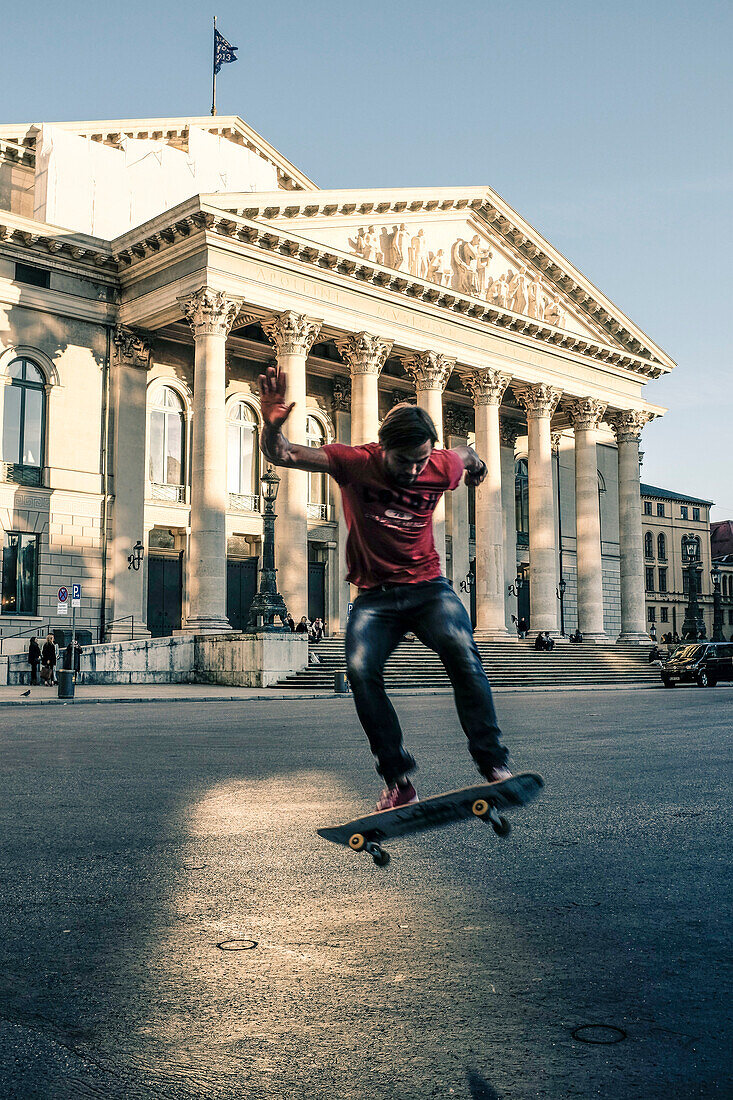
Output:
(223, 52)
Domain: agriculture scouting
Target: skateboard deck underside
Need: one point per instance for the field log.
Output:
(441, 809)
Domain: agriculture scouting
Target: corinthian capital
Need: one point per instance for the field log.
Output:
(586, 413)
(457, 421)
(341, 400)
(487, 386)
(365, 354)
(628, 424)
(429, 370)
(291, 333)
(539, 400)
(210, 312)
(131, 348)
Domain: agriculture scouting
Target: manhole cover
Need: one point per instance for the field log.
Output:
(599, 1034)
(237, 945)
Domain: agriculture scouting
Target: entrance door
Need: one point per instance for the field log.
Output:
(165, 589)
(523, 600)
(317, 590)
(241, 589)
(472, 590)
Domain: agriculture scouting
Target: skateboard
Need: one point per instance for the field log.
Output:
(484, 802)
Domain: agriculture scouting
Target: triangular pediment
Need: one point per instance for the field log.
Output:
(466, 239)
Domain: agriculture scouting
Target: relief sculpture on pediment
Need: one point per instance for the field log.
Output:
(469, 267)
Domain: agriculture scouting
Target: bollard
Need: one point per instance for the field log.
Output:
(66, 683)
(340, 683)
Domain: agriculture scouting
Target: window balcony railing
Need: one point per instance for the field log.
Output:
(20, 475)
(244, 502)
(318, 511)
(175, 493)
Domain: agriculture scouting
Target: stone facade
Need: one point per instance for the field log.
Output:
(143, 352)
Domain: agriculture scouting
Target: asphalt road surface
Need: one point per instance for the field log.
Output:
(135, 839)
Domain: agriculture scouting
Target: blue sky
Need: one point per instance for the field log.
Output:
(608, 129)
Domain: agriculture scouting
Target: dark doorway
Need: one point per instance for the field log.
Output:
(241, 588)
(165, 589)
(317, 590)
(523, 599)
(472, 590)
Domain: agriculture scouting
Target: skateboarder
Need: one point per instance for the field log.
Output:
(389, 491)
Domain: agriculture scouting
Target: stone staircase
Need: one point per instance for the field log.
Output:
(508, 664)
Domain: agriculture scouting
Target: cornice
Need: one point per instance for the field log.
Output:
(22, 237)
(486, 206)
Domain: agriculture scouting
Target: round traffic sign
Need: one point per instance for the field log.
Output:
(63, 595)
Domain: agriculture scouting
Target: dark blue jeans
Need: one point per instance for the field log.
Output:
(431, 610)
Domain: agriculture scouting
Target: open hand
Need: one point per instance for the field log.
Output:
(273, 386)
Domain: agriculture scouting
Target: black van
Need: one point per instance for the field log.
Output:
(703, 663)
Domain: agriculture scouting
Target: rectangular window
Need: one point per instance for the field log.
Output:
(20, 574)
(683, 511)
(663, 580)
(664, 614)
(651, 614)
(647, 507)
(660, 509)
(696, 514)
(730, 618)
(33, 276)
(649, 578)
(685, 583)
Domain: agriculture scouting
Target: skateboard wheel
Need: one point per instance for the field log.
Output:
(381, 858)
(356, 842)
(480, 807)
(501, 827)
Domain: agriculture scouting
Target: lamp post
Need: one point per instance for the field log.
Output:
(694, 625)
(560, 593)
(268, 605)
(135, 559)
(718, 635)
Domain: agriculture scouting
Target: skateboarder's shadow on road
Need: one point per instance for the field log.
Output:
(480, 1087)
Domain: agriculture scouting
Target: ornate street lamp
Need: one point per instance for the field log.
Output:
(467, 584)
(693, 627)
(560, 593)
(718, 635)
(135, 559)
(268, 605)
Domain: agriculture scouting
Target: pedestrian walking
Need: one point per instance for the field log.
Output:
(34, 660)
(522, 627)
(390, 489)
(48, 661)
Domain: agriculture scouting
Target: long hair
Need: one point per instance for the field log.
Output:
(406, 426)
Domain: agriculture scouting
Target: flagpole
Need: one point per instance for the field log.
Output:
(213, 78)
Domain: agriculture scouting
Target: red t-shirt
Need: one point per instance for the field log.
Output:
(390, 528)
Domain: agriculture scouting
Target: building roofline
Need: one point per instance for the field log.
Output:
(667, 494)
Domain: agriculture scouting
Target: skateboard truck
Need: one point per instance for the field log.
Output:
(488, 812)
(358, 842)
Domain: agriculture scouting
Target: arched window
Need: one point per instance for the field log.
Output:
(724, 585)
(315, 436)
(648, 545)
(24, 418)
(243, 467)
(167, 437)
(662, 546)
(521, 500)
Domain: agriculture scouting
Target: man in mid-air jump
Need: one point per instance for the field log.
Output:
(389, 491)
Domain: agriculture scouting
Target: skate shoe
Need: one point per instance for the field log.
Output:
(498, 773)
(392, 797)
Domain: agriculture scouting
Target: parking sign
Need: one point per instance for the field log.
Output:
(76, 595)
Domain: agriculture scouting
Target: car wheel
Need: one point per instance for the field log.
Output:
(667, 682)
(703, 679)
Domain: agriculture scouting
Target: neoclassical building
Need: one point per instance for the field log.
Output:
(150, 270)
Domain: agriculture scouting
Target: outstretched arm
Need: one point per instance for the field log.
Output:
(476, 470)
(275, 411)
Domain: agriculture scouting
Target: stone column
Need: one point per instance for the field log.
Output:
(487, 387)
(293, 336)
(540, 401)
(430, 372)
(586, 415)
(508, 433)
(365, 355)
(456, 426)
(131, 361)
(341, 417)
(628, 426)
(211, 314)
